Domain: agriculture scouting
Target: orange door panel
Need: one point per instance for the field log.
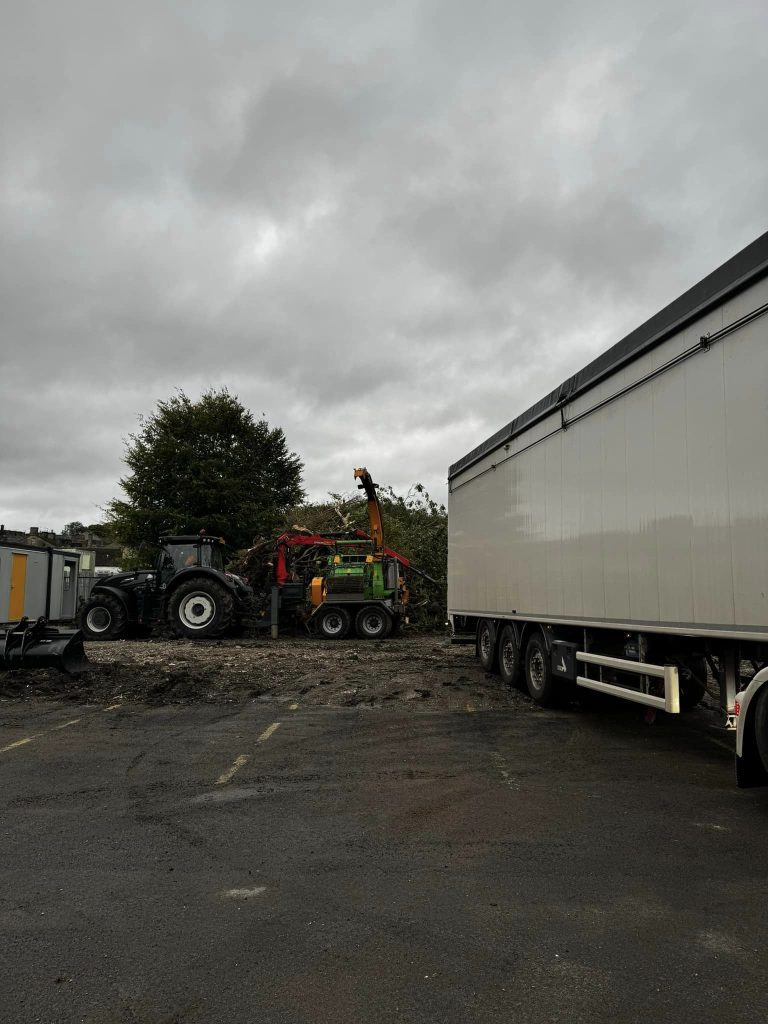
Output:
(18, 586)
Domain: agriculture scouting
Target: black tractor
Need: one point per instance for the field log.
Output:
(189, 589)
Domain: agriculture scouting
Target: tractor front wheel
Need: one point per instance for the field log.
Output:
(200, 608)
(102, 617)
(333, 623)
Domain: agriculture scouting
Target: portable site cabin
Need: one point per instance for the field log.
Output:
(37, 581)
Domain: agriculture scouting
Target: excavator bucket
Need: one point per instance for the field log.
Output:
(38, 645)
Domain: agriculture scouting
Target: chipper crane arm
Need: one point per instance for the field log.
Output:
(374, 508)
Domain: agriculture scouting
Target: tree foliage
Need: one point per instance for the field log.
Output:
(73, 529)
(204, 465)
(414, 525)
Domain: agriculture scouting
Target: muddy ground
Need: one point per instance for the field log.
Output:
(418, 672)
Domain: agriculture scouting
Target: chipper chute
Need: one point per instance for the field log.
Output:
(38, 645)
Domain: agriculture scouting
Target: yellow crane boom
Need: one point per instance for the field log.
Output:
(374, 508)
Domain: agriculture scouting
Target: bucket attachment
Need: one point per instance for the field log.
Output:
(37, 645)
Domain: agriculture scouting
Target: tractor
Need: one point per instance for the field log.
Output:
(189, 589)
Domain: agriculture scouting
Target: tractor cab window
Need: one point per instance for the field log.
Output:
(212, 556)
(185, 556)
(179, 556)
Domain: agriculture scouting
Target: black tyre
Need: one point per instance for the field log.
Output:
(373, 623)
(509, 655)
(487, 648)
(333, 623)
(760, 723)
(200, 608)
(542, 685)
(103, 617)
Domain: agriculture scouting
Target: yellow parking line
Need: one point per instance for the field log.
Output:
(229, 773)
(37, 735)
(18, 743)
(268, 732)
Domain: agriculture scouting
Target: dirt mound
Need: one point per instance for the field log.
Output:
(417, 672)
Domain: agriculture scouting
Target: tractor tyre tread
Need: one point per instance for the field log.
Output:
(118, 624)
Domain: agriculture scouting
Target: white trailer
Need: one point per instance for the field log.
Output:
(614, 536)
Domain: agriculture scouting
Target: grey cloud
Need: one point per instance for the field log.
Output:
(387, 228)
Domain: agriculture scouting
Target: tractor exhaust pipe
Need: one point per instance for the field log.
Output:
(38, 645)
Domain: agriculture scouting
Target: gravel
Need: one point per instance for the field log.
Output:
(418, 672)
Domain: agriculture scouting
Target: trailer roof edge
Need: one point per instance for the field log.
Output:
(737, 273)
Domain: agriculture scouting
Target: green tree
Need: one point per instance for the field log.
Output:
(204, 465)
(73, 529)
(414, 525)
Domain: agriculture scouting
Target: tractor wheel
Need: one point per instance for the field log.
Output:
(373, 623)
(103, 617)
(333, 623)
(200, 608)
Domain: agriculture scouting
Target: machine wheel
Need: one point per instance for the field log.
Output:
(103, 617)
(373, 623)
(333, 623)
(509, 656)
(760, 726)
(487, 649)
(542, 686)
(200, 608)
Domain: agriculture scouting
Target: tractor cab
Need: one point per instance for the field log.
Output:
(189, 552)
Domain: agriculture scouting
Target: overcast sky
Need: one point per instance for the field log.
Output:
(387, 227)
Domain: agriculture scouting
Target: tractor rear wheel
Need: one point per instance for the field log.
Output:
(373, 623)
(102, 617)
(200, 608)
(333, 623)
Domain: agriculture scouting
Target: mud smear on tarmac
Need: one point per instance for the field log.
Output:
(421, 673)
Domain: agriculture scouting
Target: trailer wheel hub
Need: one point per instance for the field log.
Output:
(537, 670)
(197, 610)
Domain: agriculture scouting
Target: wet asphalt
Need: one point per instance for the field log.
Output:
(195, 864)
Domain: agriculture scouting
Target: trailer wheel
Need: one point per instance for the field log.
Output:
(542, 685)
(487, 649)
(333, 623)
(200, 608)
(509, 656)
(102, 617)
(373, 623)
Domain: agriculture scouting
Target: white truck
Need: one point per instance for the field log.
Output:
(614, 536)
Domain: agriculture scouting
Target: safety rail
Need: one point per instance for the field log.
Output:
(669, 702)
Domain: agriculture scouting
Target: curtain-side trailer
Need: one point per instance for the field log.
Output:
(614, 536)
